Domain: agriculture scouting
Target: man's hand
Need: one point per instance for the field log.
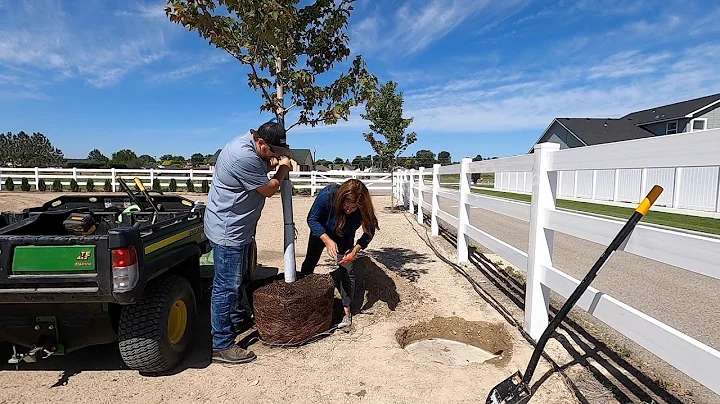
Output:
(272, 164)
(330, 245)
(285, 161)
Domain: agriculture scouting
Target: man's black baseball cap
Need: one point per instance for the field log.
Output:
(274, 134)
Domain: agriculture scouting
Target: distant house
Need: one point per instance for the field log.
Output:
(686, 116)
(302, 160)
(342, 167)
(82, 163)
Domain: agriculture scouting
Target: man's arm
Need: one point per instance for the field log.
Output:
(271, 188)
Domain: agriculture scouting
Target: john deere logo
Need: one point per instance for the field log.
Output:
(83, 256)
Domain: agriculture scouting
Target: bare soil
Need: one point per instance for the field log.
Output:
(401, 282)
(491, 337)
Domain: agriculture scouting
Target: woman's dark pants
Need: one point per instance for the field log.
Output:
(344, 276)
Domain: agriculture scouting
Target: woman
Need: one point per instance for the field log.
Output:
(338, 211)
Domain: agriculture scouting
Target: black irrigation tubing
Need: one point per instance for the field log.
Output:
(497, 306)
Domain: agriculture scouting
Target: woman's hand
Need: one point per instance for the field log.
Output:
(330, 245)
(349, 257)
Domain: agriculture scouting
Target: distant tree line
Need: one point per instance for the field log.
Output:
(25, 150)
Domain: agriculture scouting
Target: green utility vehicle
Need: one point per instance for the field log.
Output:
(93, 269)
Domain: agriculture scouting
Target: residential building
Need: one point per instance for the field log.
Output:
(686, 116)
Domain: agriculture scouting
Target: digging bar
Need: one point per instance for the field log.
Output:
(516, 388)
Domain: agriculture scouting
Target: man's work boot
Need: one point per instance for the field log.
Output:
(234, 354)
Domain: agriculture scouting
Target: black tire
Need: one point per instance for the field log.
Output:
(145, 343)
(252, 262)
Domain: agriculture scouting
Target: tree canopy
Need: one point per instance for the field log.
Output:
(287, 48)
(21, 149)
(384, 111)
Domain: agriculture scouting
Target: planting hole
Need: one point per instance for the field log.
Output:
(457, 342)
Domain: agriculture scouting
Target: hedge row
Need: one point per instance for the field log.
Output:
(107, 186)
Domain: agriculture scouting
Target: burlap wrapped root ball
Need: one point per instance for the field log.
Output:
(289, 313)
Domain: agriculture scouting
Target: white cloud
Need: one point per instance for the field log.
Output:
(41, 40)
(416, 25)
(200, 65)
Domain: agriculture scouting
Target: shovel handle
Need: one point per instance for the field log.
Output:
(642, 209)
(139, 184)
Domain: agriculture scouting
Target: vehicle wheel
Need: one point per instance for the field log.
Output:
(252, 262)
(155, 333)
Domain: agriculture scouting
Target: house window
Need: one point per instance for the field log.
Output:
(698, 124)
(671, 128)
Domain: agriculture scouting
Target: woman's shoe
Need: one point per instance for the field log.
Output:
(346, 321)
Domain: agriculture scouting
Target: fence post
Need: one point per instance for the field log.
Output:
(463, 214)
(313, 181)
(37, 179)
(75, 173)
(1, 181)
(676, 187)
(192, 178)
(421, 198)
(435, 200)
(152, 178)
(113, 174)
(412, 181)
(594, 185)
(617, 185)
(537, 295)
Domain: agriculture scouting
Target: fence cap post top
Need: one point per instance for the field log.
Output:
(547, 146)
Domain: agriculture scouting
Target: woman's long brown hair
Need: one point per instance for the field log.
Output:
(354, 192)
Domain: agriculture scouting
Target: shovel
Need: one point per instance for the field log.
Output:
(516, 388)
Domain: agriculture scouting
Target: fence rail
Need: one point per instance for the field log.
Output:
(311, 180)
(542, 172)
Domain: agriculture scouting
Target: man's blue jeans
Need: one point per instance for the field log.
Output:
(226, 307)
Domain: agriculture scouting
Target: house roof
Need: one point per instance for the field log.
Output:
(672, 111)
(301, 155)
(592, 131)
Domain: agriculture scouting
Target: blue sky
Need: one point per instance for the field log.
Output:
(479, 77)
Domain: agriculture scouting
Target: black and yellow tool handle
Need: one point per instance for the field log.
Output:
(642, 210)
(139, 184)
(145, 193)
(128, 190)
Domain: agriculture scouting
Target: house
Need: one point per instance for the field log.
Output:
(686, 116)
(302, 159)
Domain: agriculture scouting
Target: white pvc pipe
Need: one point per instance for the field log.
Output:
(289, 229)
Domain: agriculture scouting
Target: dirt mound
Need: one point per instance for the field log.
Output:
(491, 337)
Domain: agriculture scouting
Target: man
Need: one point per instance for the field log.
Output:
(240, 185)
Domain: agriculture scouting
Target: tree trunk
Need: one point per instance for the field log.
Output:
(285, 187)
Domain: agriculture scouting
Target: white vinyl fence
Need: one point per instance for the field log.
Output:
(311, 180)
(686, 188)
(420, 191)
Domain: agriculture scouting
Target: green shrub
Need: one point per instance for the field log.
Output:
(190, 186)
(90, 185)
(205, 187)
(9, 185)
(156, 185)
(108, 185)
(57, 186)
(25, 185)
(41, 185)
(74, 185)
(173, 185)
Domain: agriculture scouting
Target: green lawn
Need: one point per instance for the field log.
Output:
(696, 223)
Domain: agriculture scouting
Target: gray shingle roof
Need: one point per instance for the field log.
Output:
(671, 111)
(593, 131)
